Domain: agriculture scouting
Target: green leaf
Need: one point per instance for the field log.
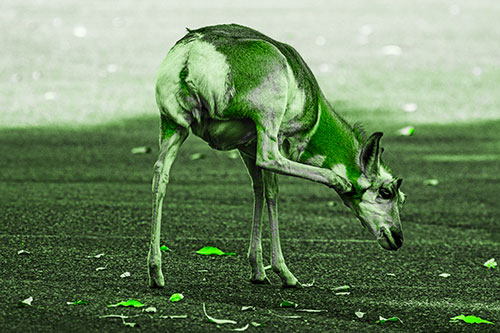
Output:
(76, 302)
(131, 302)
(164, 248)
(208, 250)
(491, 263)
(470, 320)
(288, 304)
(217, 321)
(383, 320)
(176, 297)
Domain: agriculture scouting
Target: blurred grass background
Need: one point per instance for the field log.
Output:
(75, 63)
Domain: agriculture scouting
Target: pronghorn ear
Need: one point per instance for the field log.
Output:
(370, 154)
(399, 181)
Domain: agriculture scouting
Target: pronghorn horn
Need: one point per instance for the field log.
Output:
(370, 156)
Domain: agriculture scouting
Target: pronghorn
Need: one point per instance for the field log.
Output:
(238, 89)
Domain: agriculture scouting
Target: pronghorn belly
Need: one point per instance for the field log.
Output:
(225, 134)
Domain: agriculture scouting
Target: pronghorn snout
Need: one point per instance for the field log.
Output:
(391, 238)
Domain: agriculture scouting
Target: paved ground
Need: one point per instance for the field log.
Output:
(66, 195)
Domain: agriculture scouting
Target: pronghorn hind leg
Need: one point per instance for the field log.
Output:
(258, 274)
(277, 259)
(171, 138)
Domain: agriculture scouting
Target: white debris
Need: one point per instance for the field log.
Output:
(49, 95)
(366, 30)
(407, 131)
(124, 275)
(36, 75)
(454, 10)
(324, 68)
(391, 50)
(112, 68)
(320, 40)
(359, 314)
(80, 31)
(431, 182)
(445, 275)
(410, 107)
(27, 301)
(477, 71)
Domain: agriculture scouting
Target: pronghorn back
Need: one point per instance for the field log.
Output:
(233, 72)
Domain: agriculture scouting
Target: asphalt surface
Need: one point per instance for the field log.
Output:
(69, 194)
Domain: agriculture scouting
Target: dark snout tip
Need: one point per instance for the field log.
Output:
(398, 239)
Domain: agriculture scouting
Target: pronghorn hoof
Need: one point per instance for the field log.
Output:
(292, 283)
(264, 280)
(158, 282)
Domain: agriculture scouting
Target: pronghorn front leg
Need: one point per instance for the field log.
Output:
(270, 158)
(258, 274)
(171, 140)
(277, 259)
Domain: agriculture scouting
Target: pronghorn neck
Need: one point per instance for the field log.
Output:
(334, 144)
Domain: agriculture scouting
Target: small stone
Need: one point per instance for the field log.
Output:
(359, 314)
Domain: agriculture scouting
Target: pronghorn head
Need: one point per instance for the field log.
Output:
(377, 199)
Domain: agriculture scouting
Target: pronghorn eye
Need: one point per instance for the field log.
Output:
(385, 193)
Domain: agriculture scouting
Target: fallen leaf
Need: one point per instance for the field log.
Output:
(240, 329)
(196, 156)
(310, 284)
(176, 297)
(247, 307)
(140, 150)
(131, 302)
(345, 287)
(431, 182)
(288, 304)
(164, 248)
(174, 316)
(27, 301)
(382, 320)
(407, 131)
(124, 275)
(359, 314)
(343, 293)
(96, 256)
(150, 309)
(445, 275)
(208, 250)
(217, 321)
(100, 268)
(491, 263)
(470, 320)
(310, 310)
(122, 317)
(390, 274)
(255, 324)
(23, 252)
